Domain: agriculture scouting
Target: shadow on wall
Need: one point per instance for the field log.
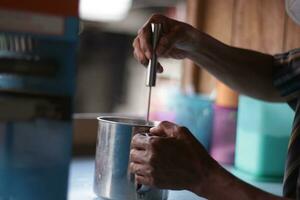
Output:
(101, 74)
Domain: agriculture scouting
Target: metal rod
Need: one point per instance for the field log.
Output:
(148, 107)
(152, 66)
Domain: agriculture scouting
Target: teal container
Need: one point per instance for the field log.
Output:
(263, 131)
(36, 108)
(194, 112)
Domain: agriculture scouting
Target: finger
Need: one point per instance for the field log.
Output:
(156, 18)
(145, 38)
(161, 19)
(139, 141)
(145, 42)
(138, 156)
(165, 128)
(138, 169)
(141, 58)
(144, 180)
(138, 52)
(134, 43)
(145, 33)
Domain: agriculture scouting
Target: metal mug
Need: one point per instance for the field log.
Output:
(113, 179)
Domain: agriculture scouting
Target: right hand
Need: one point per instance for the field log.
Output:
(172, 158)
(176, 40)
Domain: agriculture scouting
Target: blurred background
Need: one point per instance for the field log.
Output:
(87, 45)
(109, 79)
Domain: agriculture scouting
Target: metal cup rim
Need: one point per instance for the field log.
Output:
(123, 120)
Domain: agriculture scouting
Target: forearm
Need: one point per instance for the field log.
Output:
(246, 71)
(225, 186)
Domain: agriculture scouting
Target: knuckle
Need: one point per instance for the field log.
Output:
(156, 16)
(132, 153)
(132, 156)
(131, 167)
(135, 138)
(134, 42)
(164, 122)
(182, 129)
(141, 31)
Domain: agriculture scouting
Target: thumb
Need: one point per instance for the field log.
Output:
(165, 129)
(160, 68)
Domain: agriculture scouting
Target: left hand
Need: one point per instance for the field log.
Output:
(170, 158)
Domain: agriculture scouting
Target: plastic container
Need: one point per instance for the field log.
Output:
(196, 113)
(36, 103)
(224, 134)
(34, 159)
(263, 133)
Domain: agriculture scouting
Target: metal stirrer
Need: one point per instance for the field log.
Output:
(152, 66)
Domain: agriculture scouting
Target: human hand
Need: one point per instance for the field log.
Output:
(176, 39)
(170, 158)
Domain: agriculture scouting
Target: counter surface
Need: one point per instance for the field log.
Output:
(81, 183)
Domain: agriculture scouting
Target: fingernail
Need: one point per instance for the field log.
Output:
(153, 129)
(160, 70)
(148, 54)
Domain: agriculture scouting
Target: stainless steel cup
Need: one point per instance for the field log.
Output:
(112, 177)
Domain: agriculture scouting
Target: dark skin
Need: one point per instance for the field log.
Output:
(246, 71)
(171, 157)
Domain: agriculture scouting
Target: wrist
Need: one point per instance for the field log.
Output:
(204, 49)
(193, 40)
(211, 182)
(188, 42)
(198, 44)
